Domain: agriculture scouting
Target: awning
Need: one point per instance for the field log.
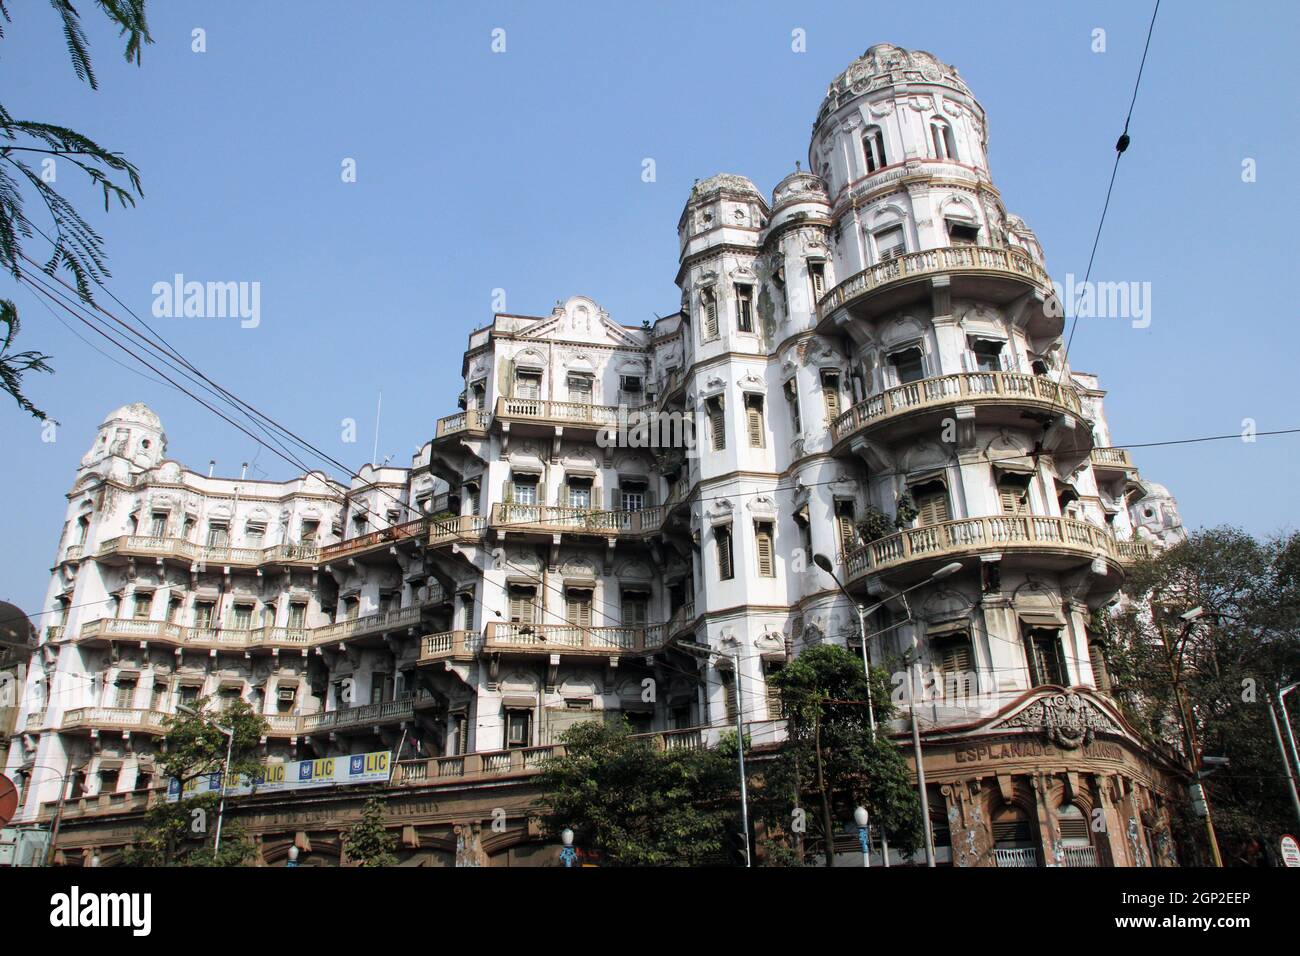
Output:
(1041, 618)
(518, 703)
(948, 627)
(1020, 465)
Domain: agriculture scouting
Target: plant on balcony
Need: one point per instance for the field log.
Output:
(905, 512)
(875, 524)
(184, 833)
(830, 762)
(633, 804)
(368, 843)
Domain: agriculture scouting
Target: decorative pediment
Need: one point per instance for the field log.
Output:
(1067, 719)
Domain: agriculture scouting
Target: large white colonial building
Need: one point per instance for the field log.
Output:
(873, 358)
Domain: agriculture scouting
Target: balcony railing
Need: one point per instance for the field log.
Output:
(561, 413)
(1118, 458)
(1016, 858)
(961, 388)
(133, 544)
(1081, 856)
(467, 528)
(564, 638)
(944, 260)
(1133, 550)
(387, 712)
(966, 535)
(114, 718)
(398, 532)
(550, 518)
(450, 645)
(472, 419)
(235, 638)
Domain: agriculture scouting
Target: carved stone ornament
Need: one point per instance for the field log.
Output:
(1067, 720)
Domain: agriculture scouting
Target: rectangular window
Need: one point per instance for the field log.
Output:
(580, 389)
(579, 493)
(1097, 657)
(307, 532)
(952, 658)
(636, 609)
(528, 384)
(745, 308)
(717, 424)
(817, 274)
(125, 696)
(831, 393)
(873, 148)
(709, 304)
(459, 733)
(241, 617)
(158, 699)
(143, 604)
(1042, 648)
(754, 419)
(298, 614)
(631, 496)
(763, 545)
(722, 535)
(522, 604)
(961, 234)
(577, 607)
(203, 614)
(908, 365)
(218, 534)
(931, 503)
(519, 724)
(1013, 495)
(774, 711)
(254, 535)
(158, 524)
(525, 490)
(986, 354)
(890, 243)
(845, 527)
(792, 397)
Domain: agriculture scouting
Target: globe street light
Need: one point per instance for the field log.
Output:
(568, 854)
(862, 818)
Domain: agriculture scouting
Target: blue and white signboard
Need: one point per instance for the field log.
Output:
(296, 775)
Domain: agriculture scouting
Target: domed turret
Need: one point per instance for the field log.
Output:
(134, 433)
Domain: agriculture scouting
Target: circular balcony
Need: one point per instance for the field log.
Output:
(1050, 543)
(1003, 397)
(987, 273)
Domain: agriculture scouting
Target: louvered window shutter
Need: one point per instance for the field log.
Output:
(755, 413)
(846, 533)
(508, 492)
(932, 509)
(579, 609)
(956, 658)
(510, 378)
(1011, 495)
(724, 552)
(832, 392)
(710, 316)
(1100, 676)
(764, 542)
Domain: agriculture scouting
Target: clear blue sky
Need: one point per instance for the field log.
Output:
(522, 171)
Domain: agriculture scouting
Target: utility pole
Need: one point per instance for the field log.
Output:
(1290, 777)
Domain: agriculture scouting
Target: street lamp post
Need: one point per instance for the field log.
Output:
(947, 570)
(568, 855)
(1189, 729)
(225, 771)
(1290, 777)
(862, 819)
(65, 778)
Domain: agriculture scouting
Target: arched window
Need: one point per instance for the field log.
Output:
(945, 147)
(873, 148)
(1014, 842)
(1076, 836)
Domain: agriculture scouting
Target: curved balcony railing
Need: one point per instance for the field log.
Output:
(549, 518)
(384, 536)
(470, 420)
(124, 718)
(1130, 551)
(945, 260)
(961, 388)
(138, 544)
(249, 638)
(561, 638)
(973, 535)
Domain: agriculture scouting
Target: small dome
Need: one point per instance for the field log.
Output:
(723, 182)
(800, 186)
(137, 413)
(886, 65)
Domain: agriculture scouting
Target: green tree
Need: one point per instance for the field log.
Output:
(368, 843)
(184, 833)
(830, 761)
(28, 149)
(636, 805)
(1241, 647)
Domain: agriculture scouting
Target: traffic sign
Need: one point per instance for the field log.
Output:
(1290, 850)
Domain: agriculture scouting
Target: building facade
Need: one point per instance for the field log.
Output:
(867, 366)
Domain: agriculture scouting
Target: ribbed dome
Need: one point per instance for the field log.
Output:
(723, 181)
(137, 413)
(885, 65)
